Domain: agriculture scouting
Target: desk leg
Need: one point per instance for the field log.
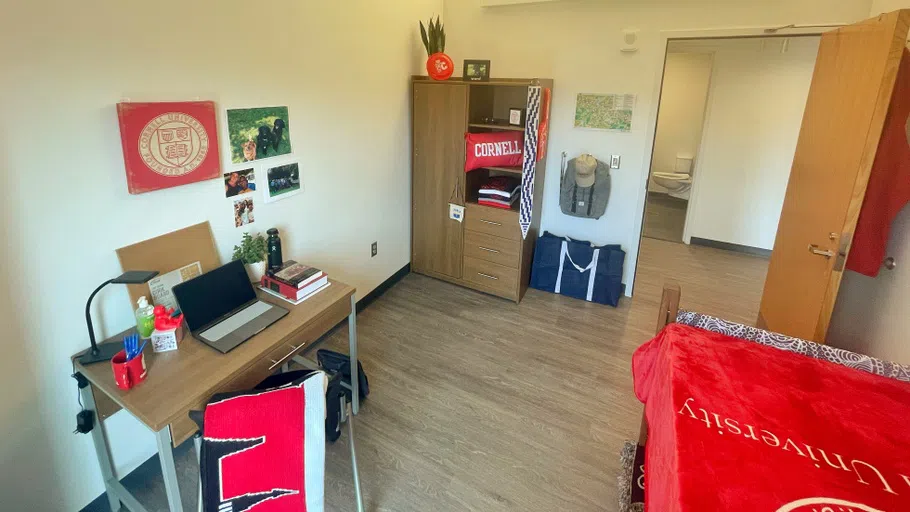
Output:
(102, 449)
(197, 443)
(352, 340)
(169, 469)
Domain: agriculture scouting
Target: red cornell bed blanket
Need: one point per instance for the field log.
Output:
(734, 425)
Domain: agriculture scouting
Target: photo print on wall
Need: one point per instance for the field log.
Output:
(282, 182)
(239, 182)
(257, 133)
(243, 211)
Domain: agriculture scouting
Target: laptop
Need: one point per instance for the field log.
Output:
(221, 308)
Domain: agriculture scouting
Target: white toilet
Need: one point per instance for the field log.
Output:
(678, 183)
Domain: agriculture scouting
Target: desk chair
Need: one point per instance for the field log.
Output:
(250, 450)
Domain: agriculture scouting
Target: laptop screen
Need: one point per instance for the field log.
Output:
(215, 294)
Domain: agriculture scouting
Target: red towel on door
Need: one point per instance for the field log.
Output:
(889, 183)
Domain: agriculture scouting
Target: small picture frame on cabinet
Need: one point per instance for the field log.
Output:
(476, 70)
(517, 116)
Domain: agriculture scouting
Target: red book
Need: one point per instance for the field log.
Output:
(293, 293)
(295, 274)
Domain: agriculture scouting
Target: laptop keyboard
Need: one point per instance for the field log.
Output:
(218, 331)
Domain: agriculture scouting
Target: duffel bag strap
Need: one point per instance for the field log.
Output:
(563, 254)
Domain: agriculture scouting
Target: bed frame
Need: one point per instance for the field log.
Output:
(666, 314)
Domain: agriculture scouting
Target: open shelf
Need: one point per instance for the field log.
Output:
(497, 127)
(511, 170)
(515, 206)
(500, 82)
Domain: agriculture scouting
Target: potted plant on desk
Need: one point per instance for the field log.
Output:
(252, 251)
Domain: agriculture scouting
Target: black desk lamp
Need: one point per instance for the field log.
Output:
(109, 350)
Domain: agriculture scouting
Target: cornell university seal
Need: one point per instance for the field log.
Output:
(173, 144)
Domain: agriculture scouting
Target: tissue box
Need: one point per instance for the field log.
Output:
(165, 341)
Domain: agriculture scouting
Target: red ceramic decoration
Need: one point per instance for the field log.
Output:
(440, 66)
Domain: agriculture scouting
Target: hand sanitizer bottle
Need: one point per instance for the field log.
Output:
(145, 318)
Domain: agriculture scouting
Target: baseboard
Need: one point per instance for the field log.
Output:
(383, 287)
(745, 249)
(150, 468)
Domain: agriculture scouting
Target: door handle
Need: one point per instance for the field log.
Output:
(814, 249)
(889, 263)
(490, 222)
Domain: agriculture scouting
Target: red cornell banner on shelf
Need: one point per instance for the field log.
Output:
(168, 144)
(501, 149)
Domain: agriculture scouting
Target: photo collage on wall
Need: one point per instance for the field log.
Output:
(255, 134)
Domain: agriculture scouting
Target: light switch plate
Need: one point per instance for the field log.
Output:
(614, 162)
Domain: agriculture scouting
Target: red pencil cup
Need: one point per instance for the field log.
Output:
(128, 373)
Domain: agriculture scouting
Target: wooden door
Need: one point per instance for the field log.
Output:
(845, 113)
(440, 122)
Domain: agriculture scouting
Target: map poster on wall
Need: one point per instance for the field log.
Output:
(168, 144)
(605, 111)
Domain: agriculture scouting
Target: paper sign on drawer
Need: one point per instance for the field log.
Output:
(456, 212)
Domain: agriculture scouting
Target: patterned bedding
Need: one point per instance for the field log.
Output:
(790, 344)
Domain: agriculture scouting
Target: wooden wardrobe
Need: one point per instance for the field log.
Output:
(486, 251)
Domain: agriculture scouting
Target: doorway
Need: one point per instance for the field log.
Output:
(684, 98)
(729, 118)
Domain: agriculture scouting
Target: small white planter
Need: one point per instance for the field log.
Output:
(255, 271)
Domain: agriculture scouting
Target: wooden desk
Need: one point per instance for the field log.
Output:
(185, 379)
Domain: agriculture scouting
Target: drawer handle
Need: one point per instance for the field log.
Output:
(488, 250)
(291, 353)
(488, 276)
(490, 222)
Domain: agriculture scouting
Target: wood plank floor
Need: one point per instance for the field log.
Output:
(480, 404)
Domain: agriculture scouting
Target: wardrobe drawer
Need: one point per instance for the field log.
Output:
(490, 277)
(491, 248)
(492, 221)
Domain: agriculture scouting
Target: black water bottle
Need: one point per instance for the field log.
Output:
(274, 248)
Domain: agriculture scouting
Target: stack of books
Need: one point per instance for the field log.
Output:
(500, 192)
(295, 282)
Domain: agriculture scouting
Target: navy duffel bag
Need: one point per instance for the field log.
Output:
(578, 269)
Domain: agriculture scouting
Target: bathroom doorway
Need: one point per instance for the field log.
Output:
(728, 122)
(684, 98)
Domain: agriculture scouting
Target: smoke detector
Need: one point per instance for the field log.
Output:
(629, 40)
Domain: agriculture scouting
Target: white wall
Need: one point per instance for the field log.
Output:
(755, 110)
(870, 316)
(880, 6)
(342, 68)
(683, 97)
(576, 42)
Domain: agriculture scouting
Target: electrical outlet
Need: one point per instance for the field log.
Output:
(614, 162)
(374, 249)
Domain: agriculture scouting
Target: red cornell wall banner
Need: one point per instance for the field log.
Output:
(168, 144)
(493, 150)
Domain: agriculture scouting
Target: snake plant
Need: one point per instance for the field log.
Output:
(434, 36)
